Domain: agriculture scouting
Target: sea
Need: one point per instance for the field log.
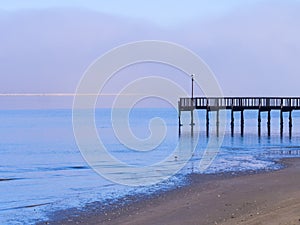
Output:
(43, 170)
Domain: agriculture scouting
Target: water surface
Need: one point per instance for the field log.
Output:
(42, 169)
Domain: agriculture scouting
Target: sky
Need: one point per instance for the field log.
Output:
(252, 46)
(163, 13)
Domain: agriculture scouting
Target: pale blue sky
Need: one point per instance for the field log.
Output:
(162, 12)
(252, 46)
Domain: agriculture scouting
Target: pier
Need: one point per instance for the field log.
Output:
(240, 104)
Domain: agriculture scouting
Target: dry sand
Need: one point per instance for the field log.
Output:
(260, 198)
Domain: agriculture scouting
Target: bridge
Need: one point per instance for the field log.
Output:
(240, 104)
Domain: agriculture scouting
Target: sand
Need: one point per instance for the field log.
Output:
(257, 198)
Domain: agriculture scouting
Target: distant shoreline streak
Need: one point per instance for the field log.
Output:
(60, 94)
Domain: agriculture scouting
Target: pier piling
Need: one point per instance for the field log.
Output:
(290, 124)
(207, 123)
(217, 122)
(259, 123)
(269, 123)
(232, 123)
(281, 123)
(242, 122)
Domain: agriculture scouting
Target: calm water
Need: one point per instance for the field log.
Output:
(42, 170)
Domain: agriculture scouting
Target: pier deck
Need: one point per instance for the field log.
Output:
(261, 104)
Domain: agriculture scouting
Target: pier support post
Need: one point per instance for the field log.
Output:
(259, 123)
(269, 123)
(179, 123)
(207, 122)
(192, 122)
(290, 124)
(232, 123)
(281, 123)
(192, 118)
(242, 122)
(179, 118)
(218, 122)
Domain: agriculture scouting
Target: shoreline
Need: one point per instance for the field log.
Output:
(228, 198)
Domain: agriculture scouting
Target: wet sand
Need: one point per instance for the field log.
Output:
(255, 198)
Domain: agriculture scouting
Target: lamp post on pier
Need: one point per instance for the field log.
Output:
(192, 104)
(192, 76)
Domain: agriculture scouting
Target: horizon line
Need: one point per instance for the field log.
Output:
(62, 94)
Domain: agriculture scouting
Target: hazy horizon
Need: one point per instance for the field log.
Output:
(252, 46)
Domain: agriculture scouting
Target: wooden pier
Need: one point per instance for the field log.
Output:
(240, 104)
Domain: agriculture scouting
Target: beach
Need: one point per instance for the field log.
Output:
(265, 197)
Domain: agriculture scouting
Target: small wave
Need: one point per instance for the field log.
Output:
(78, 167)
(283, 152)
(26, 206)
(9, 179)
(63, 168)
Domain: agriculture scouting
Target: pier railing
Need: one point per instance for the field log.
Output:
(239, 103)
